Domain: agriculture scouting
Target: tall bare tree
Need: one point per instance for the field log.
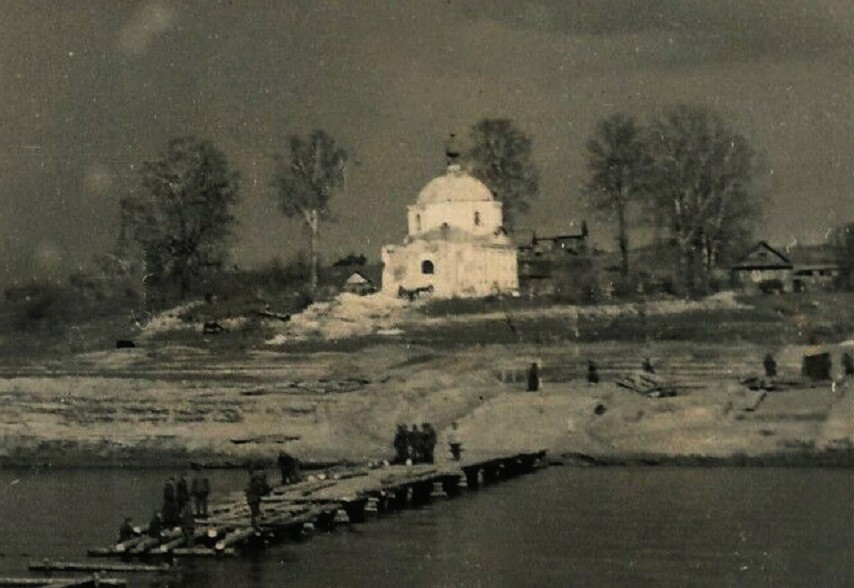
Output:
(305, 182)
(182, 214)
(500, 157)
(618, 162)
(703, 186)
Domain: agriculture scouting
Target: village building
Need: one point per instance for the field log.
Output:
(800, 268)
(765, 269)
(542, 258)
(359, 283)
(456, 245)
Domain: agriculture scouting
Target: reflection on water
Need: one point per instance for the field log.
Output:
(563, 526)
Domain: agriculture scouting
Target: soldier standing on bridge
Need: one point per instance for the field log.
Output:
(170, 503)
(401, 445)
(255, 490)
(289, 467)
(126, 531)
(200, 487)
(182, 492)
(155, 526)
(429, 436)
(454, 442)
(188, 524)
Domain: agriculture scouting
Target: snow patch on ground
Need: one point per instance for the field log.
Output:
(346, 315)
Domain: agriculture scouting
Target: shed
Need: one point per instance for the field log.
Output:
(358, 283)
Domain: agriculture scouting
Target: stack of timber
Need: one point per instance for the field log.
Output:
(321, 501)
(647, 384)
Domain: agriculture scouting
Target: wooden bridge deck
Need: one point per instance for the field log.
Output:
(319, 503)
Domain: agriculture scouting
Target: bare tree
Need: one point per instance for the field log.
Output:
(305, 182)
(182, 215)
(702, 186)
(618, 163)
(500, 157)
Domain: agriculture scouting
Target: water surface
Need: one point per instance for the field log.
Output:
(560, 527)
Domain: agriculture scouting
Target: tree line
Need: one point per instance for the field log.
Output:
(178, 220)
(688, 173)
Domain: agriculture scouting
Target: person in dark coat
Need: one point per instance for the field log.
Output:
(155, 526)
(592, 373)
(126, 531)
(416, 445)
(182, 492)
(200, 488)
(770, 366)
(257, 488)
(401, 445)
(533, 377)
(170, 508)
(289, 467)
(430, 437)
(188, 524)
(647, 366)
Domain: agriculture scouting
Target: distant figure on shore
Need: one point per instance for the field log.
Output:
(454, 442)
(647, 366)
(255, 490)
(126, 531)
(847, 364)
(188, 524)
(592, 373)
(155, 525)
(770, 366)
(289, 467)
(533, 377)
(401, 445)
(170, 508)
(429, 437)
(200, 488)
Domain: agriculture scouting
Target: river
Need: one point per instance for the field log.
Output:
(654, 526)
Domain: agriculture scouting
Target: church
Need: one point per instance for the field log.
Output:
(456, 245)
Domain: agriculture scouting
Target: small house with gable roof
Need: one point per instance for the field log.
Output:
(765, 269)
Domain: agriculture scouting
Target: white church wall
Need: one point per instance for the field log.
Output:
(480, 218)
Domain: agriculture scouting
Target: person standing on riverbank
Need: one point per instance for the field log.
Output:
(534, 377)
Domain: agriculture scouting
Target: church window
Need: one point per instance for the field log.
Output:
(477, 218)
(426, 267)
(417, 223)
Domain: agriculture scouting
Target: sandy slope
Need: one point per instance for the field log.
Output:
(135, 407)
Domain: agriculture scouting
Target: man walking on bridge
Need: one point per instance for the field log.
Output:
(255, 490)
(200, 488)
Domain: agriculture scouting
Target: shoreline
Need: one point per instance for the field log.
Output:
(831, 457)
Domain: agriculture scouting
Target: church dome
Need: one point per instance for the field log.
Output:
(455, 186)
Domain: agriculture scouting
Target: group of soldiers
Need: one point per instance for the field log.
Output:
(414, 445)
(184, 499)
(258, 486)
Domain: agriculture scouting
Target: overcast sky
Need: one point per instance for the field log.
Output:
(92, 88)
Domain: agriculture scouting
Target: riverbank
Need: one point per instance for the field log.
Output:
(169, 406)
